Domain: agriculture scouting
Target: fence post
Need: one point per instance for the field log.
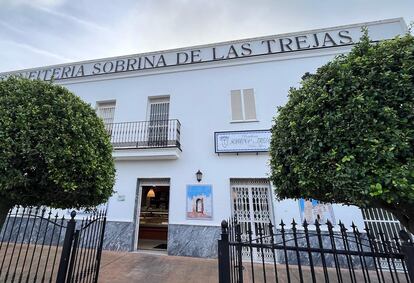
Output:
(407, 248)
(67, 246)
(239, 252)
(73, 255)
(223, 254)
(99, 253)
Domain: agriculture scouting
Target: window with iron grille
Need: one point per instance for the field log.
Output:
(106, 111)
(379, 220)
(252, 208)
(383, 226)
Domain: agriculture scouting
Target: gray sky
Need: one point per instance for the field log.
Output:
(36, 33)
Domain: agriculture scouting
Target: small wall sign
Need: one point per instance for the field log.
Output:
(242, 141)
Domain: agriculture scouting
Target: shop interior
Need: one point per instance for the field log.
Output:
(153, 221)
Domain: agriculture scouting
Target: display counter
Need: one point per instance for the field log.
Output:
(153, 225)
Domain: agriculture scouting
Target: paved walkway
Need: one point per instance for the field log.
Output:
(146, 267)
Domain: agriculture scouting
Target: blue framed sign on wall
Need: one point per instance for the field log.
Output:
(242, 141)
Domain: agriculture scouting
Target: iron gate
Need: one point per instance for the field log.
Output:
(322, 254)
(40, 246)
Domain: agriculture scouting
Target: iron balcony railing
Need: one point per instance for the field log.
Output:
(145, 134)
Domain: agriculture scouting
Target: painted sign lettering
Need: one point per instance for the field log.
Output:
(219, 52)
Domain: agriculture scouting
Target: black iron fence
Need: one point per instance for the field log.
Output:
(145, 134)
(323, 253)
(38, 245)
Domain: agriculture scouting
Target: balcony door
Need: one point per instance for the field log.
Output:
(159, 109)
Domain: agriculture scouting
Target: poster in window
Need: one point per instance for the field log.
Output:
(312, 210)
(199, 202)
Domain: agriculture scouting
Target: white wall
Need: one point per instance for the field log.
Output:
(200, 99)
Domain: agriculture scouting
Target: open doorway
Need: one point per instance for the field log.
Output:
(153, 217)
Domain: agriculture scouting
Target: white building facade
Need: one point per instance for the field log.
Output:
(205, 109)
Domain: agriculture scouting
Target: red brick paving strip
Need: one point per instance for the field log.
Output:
(153, 268)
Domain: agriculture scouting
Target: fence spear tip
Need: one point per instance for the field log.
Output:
(224, 224)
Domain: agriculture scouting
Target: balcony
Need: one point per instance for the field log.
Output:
(159, 139)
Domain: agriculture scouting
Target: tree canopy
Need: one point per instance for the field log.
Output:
(54, 150)
(346, 135)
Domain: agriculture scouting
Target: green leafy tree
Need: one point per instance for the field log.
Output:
(54, 150)
(346, 135)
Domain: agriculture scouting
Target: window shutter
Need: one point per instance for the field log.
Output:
(236, 105)
(249, 104)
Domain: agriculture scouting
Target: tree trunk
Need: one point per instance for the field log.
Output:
(406, 219)
(5, 207)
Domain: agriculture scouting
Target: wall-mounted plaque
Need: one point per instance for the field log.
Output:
(242, 141)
